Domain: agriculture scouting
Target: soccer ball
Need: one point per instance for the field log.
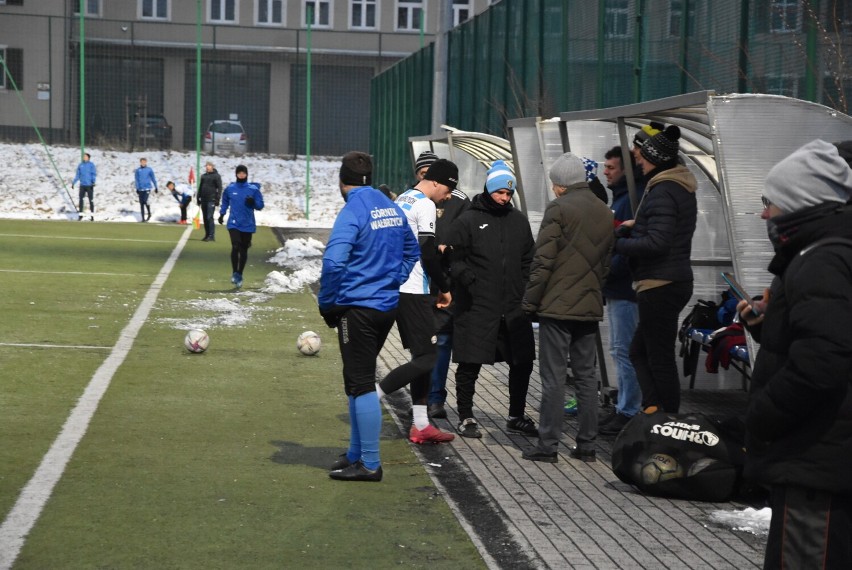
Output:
(660, 467)
(196, 341)
(308, 343)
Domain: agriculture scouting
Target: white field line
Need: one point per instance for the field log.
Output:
(28, 345)
(86, 238)
(73, 273)
(24, 514)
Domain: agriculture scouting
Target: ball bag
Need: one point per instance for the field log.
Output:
(682, 456)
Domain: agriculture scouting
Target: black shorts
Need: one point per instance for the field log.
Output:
(416, 322)
(240, 239)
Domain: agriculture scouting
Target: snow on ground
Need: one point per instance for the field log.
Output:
(31, 189)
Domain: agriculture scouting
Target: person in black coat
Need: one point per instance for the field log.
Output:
(659, 245)
(799, 417)
(491, 247)
(208, 197)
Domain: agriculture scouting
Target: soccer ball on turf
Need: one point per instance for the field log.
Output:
(308, 343)
(196, 341)
(660, 467)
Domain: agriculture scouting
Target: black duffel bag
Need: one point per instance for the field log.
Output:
(682, 456)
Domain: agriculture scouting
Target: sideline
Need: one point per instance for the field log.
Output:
(27, 509)
(32, 345)
(83, 238)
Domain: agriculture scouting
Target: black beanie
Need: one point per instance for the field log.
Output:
(241, 168)
(662, 148)
(356, 169)
(443, 172)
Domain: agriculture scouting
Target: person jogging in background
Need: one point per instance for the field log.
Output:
(370, 253)
(145, 182)
(87, 175)
(242, 198)
(208, 198)
(183, 198)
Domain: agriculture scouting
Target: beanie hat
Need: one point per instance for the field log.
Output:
(812, 175)
(426, 158)
(591, 169)
(500, 177)
(647, 132)
(662, 148)
(443, 172)
(241, 168)
(568, 170)
(356, 169)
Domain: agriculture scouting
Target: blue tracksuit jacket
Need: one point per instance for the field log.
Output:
(145, 179)
(86, 174)
(242, 216)
(370, 253)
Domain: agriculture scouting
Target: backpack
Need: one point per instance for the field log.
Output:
(682, 456)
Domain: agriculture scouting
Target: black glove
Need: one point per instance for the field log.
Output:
(623, 231)
(250, 202)
(156, 191)
(221, 220)
(332, 315)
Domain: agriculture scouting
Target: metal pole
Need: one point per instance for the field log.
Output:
(308, 117)
(811, 51)
(742, 75)
(639, 64)
(439, 89)
(599, 87)
(198, 15)
(82, 79)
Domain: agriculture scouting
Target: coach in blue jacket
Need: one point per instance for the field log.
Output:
(243, 198)
(370, 252)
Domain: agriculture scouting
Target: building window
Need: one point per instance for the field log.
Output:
(616, 19)
(92, 7)
(461, 11)
(785, 16)
(154, 9)
(319, 11)
(676, 20)
(787, 85)
(223, 11)
(362, 14)
(14, 60)
(270, 12)
(11, 2)
(409, 15)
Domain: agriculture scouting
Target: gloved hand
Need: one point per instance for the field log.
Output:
(332, 315)
(156, 191)
(250, 202)
(221, 220)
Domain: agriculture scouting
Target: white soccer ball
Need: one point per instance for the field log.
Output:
(308, 343)
(196, 341)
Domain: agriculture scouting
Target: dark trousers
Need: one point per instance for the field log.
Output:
(84, 192)
(414, 319)
(183, 212)
(652, 351)
(809, 529)
(240, 244)
(361, 334)
(208, 211)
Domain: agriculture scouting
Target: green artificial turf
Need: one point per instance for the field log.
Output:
(216, 460)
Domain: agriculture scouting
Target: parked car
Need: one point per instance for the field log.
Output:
(225, 137)
(151, 131)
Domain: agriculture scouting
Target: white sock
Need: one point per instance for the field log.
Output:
(421, 417)
(379, 391)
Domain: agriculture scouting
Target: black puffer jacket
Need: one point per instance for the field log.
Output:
(799, 420)
(210, 187)
(660, 243)
(492, 251)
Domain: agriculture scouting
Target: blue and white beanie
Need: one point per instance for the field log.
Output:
(500, 176)
(591, 169)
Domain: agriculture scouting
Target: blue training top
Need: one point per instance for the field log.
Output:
(86, 174)
(145, 180)
(242, 216)
(370, 253)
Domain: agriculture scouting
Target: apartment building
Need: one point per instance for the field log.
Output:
(140, 62)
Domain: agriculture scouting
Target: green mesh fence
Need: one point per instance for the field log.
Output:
(525, 58)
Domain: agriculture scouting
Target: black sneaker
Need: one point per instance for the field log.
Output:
(587, 455)
(469, 428)
(607, 418)
(615, 426)
(356, 472)
(205, 238)
(522, 425)
(342, 461)
(437, 411)
(538, 455)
